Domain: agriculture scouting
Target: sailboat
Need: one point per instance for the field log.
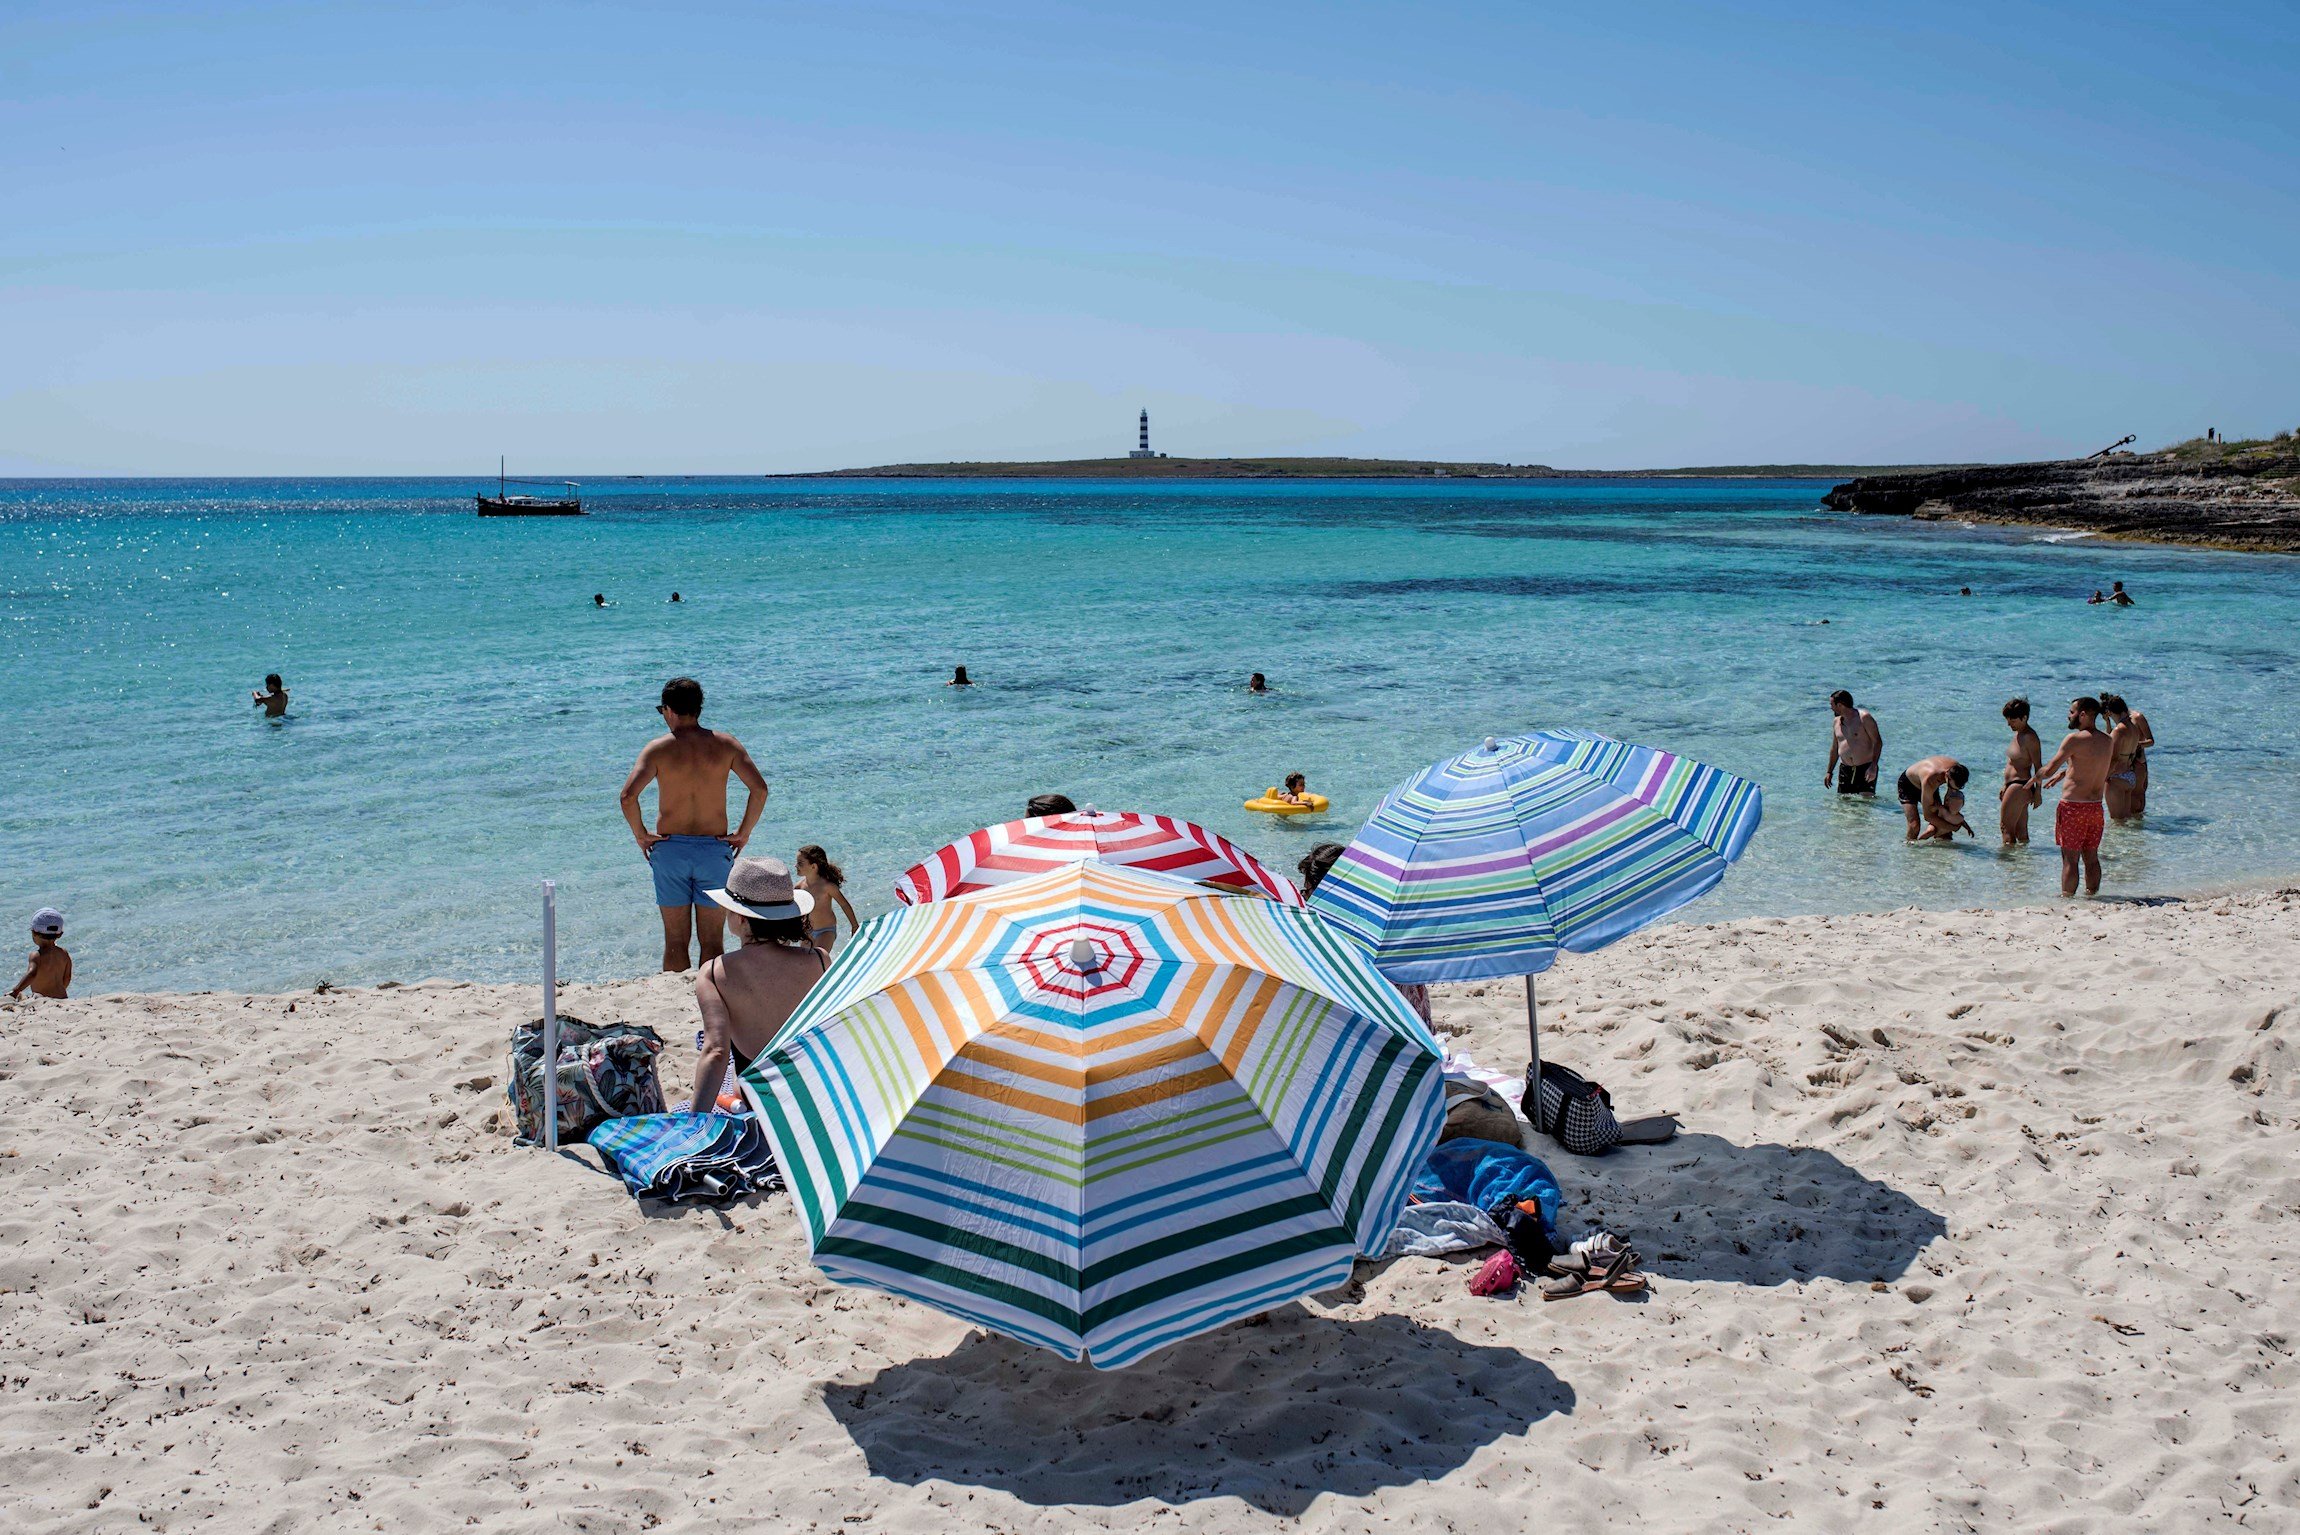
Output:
(505, 504)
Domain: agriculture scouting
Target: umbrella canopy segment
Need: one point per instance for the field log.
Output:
(1489, 863)
(1099, 1110)
(997, 855)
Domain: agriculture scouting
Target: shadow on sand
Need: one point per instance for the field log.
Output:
(1272, 1413)
(1701, 1207)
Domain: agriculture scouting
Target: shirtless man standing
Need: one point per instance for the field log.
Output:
(1932, 799)
(690, 849)
(2082, 763)
(273, 700)
(1855, 746)
(2023, 760)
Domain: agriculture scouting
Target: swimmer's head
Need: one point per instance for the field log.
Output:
(2016, 709)
(1958, 775)
(272, 681)
(1049, 804)
(1294, 783)
(1840, 699)
(1317, 862)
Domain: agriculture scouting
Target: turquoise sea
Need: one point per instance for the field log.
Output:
(464, 716)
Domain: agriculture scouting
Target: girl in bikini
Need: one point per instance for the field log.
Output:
(2129, 740)
(825, 881)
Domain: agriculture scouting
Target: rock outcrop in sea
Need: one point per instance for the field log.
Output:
(2229, 495)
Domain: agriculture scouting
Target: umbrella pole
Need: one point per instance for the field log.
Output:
(551, 1016)
(1532, 1041)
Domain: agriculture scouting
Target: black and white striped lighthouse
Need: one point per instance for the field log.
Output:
(1143, 451)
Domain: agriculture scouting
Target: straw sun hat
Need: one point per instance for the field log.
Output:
(762, 888)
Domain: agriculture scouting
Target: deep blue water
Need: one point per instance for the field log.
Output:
(464, 716)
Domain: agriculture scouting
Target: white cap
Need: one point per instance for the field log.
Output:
(48, 920)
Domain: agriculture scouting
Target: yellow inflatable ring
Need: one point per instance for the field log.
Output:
(1268, 803)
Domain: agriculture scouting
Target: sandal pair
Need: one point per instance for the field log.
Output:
(1602, 1262)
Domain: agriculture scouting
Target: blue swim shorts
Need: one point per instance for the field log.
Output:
(685, 867)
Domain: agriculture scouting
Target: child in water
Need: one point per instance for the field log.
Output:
(1296, 791)
(825, 881)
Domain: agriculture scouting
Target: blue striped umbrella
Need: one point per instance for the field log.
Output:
(1490, 863)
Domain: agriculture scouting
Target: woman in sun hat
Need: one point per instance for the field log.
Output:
(745, 996)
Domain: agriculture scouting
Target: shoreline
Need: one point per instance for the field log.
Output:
(1940, 1184)
(2269, 885)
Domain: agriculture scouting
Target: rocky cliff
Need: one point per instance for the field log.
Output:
(2242, 495)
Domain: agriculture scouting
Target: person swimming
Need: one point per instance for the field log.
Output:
(1296, 791)
(598, 599)
(959, 679)
(1257, 684)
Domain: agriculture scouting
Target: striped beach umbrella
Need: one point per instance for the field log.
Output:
(1489, 863)
(1016, 850)
(1099, 1110)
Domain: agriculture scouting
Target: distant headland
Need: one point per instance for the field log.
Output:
(1161, 467)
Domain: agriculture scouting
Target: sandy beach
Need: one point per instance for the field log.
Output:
(1982, 1220)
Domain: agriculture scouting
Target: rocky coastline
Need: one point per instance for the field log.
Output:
(2243, 495)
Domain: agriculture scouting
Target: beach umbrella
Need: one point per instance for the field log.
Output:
(1016, 850)
(1099, 1110)
(1489, 863)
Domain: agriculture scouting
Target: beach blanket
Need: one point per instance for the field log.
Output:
(688, 1156)
(1489, 1176)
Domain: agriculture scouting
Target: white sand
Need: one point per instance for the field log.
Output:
(2028, 1262)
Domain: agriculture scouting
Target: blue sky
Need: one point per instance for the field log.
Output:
(738, 237)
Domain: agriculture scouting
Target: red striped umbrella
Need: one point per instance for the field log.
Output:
(998, 855)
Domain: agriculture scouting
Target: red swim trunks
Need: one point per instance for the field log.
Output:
(2076, 825)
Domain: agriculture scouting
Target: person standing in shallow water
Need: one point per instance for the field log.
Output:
(2024, 759)
(690, 850)
(1856, 745)
(2129, 739)
(2082, 765)
(273, 700)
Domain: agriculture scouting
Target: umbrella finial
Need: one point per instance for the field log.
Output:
(1492, 745)
(1084, 956)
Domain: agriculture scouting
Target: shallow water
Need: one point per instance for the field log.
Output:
(464, 716)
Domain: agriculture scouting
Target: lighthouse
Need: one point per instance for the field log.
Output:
(1143, 449)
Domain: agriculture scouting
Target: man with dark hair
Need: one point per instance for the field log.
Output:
(1933, 799)
(1856, 745)
(1049, 804)
(690, 850)
(2023, 760)
(273, 700)
(2082, 765)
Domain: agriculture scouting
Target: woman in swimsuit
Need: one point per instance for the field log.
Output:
(746, 996)
(2129, 740)
(826, 883)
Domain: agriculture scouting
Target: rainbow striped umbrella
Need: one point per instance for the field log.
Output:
(1099, 1110)
(1021, 849)
(1489, 863)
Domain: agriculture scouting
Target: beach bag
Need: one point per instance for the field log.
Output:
(1475, 1111)
(604, 1071)
(1572, 1110)
(680, 1157)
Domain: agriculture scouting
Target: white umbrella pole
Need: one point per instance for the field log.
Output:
(551, 1016)
(1532, 1044)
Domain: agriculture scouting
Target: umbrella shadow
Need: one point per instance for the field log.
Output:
(1271, 1412)
(1701, 1207)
